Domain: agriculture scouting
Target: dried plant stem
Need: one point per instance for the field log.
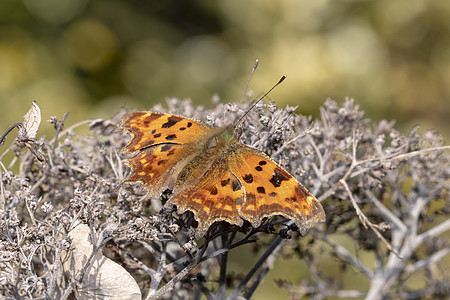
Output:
(366, 221)
(270, 251)
(341, 251)
(223, 262)
(169, 286)
(3, 136)
(365, 171)
(265, 268)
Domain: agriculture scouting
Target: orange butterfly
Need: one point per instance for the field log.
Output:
(213, 175)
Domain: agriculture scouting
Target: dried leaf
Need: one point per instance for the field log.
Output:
(103, 279)
(32, 120)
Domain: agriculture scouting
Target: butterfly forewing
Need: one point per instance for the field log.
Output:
(150, 128)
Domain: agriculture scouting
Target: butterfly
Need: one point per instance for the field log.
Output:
(212, 174)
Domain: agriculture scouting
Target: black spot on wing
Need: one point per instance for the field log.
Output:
(171, 121)
(157, 135)
(248, 178)
(290, 200)
(214, 191)
(261, 190)
(278, 177)
(225, 182)
(258, 168)
(171, 137)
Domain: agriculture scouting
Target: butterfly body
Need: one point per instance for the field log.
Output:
(212, 174)
(210, 148)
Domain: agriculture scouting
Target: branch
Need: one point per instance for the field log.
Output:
(365, 221)
(425, 262)
(386, 212)
(170, 285)
(433, 232)
(3, 136)
(268, 265)
(276, 243)
(339, 250)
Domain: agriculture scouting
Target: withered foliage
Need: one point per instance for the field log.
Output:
(385, 192)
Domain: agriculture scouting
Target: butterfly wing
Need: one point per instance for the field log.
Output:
(217, 197)
(270, 190)
(157, 166)
(149, 128)
(241, 183)
(162, 144)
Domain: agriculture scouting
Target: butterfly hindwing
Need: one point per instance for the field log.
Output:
(217, 196)
(156, 166)
(270, 190)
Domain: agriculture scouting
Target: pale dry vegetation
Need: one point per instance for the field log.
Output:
(386, 192)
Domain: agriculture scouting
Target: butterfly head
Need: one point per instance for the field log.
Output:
(238, 131)
(231, 133)
(237, 125)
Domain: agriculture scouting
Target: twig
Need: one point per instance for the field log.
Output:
(2, 190)
(59, 125)
(433, 232)
(221, 292)
(386, 212)
(205, 290)
(234, 294)
(435, 257)
(3, 136)
(160, 271)
(169, 286)
(266, 267)
(284, 146)
(366, 221)
(339, 250)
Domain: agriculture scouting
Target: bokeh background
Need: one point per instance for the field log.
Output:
(90, 58)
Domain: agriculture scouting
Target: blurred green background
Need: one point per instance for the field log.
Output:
(92, 57)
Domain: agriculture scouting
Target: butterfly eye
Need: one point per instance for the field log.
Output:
(238, 131)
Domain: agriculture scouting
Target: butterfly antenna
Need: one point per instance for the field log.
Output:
(248, 81)
(253, 104)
